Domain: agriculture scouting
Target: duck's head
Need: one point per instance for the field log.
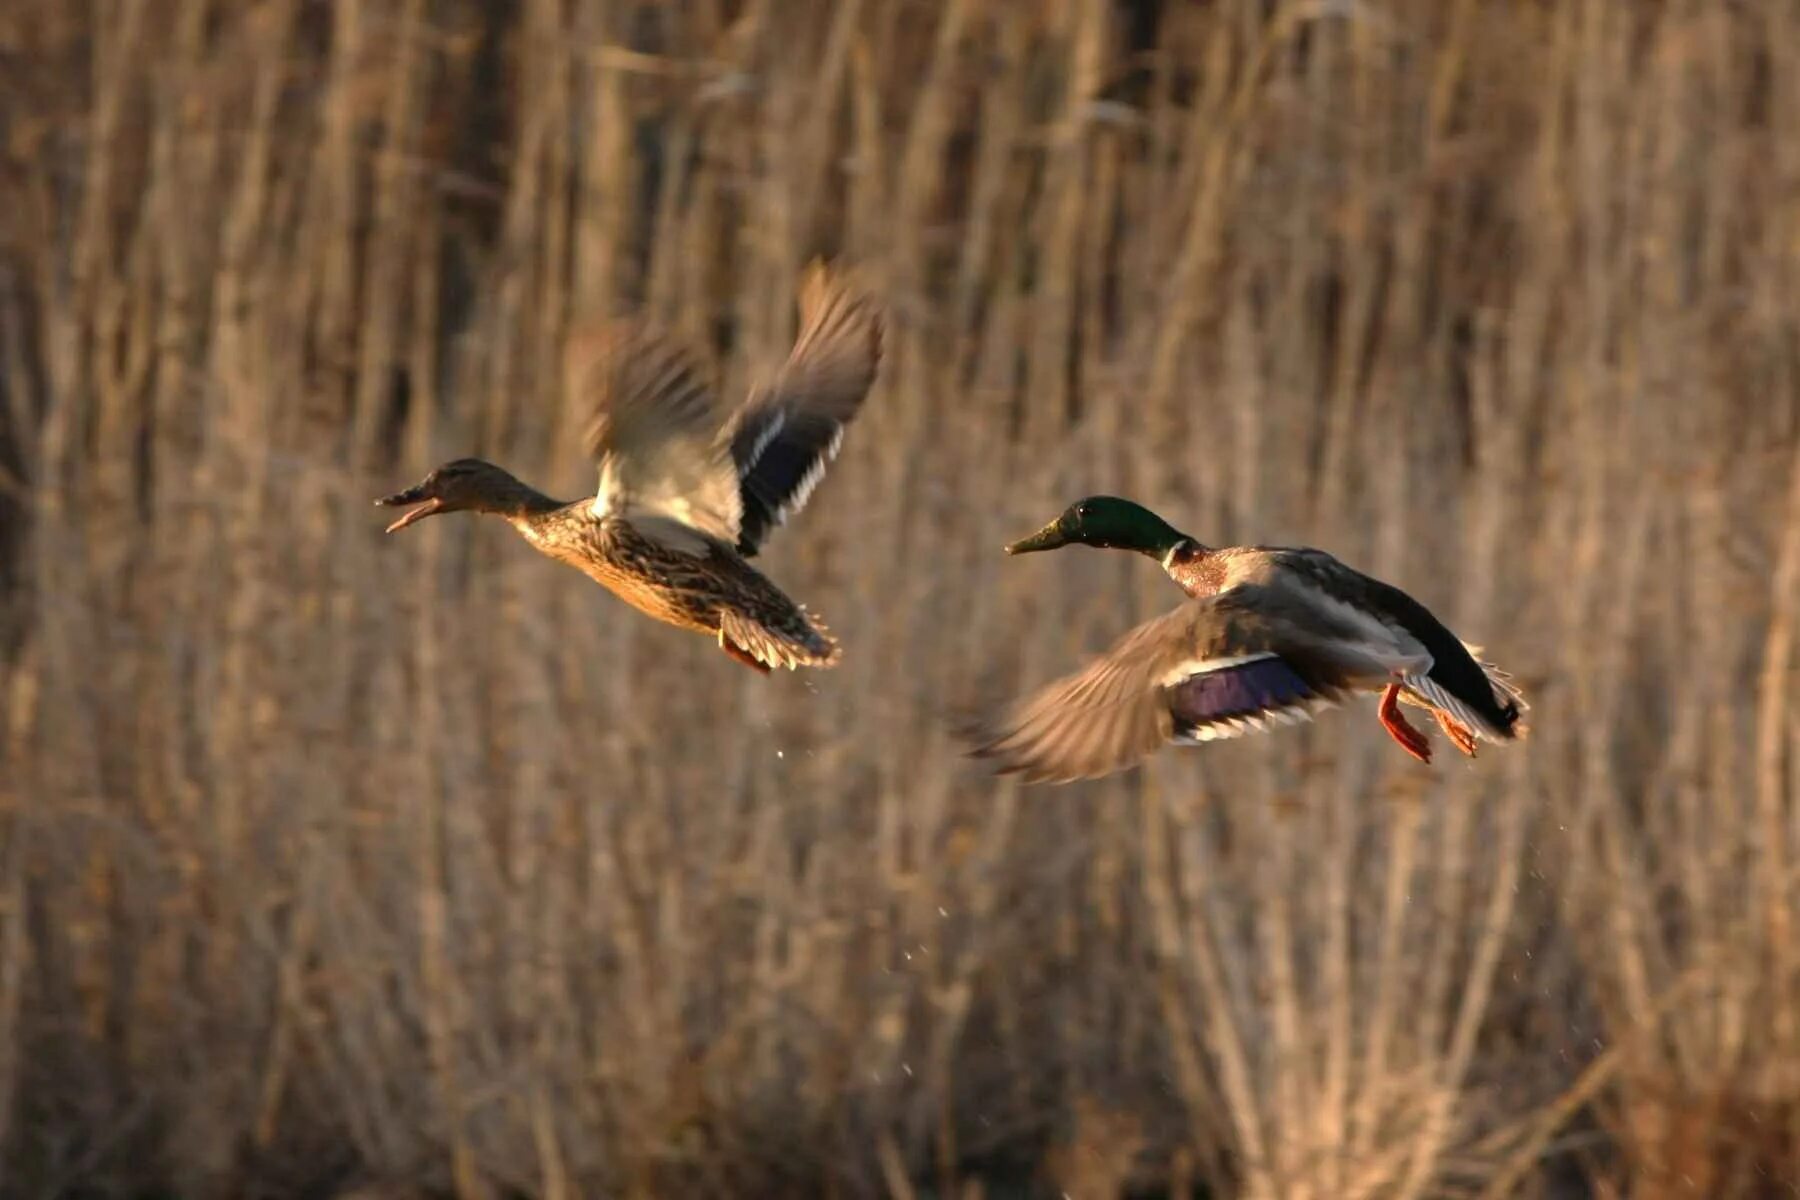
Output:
(1105, 522)
(467, 484)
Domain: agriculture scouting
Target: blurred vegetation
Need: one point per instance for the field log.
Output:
(330, 861)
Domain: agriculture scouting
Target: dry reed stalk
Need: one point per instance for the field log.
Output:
(15, 947)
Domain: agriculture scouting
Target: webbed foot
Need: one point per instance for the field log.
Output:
(1458, 733)
(1399, 728)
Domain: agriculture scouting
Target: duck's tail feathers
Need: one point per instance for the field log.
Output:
(1510, 698)
(1426, 692)
(795, 639)
(1507, 694)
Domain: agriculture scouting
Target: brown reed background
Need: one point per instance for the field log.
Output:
(331, 860)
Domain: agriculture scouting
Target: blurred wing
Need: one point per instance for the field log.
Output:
(1212, 668)
(784, 436)
(652, 429)
(1102, 718)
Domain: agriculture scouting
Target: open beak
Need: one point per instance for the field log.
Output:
(1047, 538)
(412, 495)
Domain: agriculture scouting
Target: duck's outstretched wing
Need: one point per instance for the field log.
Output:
(652, 427)
(785, 435)
(1214, 668)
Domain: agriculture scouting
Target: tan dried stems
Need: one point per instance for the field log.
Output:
(326, 857)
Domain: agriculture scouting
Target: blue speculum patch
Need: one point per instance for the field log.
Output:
(1237, 691)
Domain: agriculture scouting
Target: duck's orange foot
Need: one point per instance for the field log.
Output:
(1458, 733)
(1411, 740)
(742, 655)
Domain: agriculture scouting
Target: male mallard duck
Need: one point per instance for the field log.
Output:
(1271, 635)
(684, 501)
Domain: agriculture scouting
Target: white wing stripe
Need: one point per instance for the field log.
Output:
(1206, 666)
(777, 421)
(804, 489)
(1262, 722)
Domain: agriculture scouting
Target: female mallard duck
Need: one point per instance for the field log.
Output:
(682, 501)
(1271, 635)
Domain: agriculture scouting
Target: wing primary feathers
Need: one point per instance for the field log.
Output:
(756, 437)
(1213, 668)
(785, 436)
(651, 425)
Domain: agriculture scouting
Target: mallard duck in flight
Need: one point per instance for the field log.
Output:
(684, 501)
(1270, 636)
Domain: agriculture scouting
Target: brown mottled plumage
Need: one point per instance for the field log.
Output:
(682, 501)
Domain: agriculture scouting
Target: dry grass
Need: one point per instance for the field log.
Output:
(329, 859)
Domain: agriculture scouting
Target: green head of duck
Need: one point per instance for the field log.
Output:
(1108, 523)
